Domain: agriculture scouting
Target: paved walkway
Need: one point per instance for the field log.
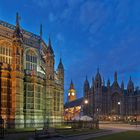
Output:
(29, 136)
(115, 128)
(85, 137)
(120, 127)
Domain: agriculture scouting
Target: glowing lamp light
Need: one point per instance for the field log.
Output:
(119, 103)
(86, 101)
(73, 93)
(69, 94)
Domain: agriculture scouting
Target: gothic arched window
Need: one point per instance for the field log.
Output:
(5, 54)
(31, 60)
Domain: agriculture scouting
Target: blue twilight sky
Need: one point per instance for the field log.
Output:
(86, 33)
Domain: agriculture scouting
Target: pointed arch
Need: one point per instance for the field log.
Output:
(6, 51)
(30, 59)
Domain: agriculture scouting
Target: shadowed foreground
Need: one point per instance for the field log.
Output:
(129, 135)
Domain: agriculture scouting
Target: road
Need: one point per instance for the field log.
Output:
(119, 127)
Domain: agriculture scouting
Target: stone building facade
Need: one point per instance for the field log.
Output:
(112, 101)
(31, 91)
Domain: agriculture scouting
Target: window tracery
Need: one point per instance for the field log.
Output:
(5, 54)
(31, 60)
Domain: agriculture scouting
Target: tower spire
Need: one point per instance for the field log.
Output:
(41, 31)
(72, 93)
(17, 35)
(49, 49)
(60, 60)
(60, 65)
(108, 82)
(17, 20)
(71, 85)
(122, 85)
(49, 44)
(115, 76)
(92, 85)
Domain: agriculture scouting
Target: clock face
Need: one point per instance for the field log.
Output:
(73, 93)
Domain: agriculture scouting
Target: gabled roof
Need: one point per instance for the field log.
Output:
(13, 27)
(115, 85)
(76, 102)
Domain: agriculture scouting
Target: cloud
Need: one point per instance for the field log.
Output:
(41, 3)
(65, 14)
(59, 37)
(95, 33)
(74, 3)
(52, 17)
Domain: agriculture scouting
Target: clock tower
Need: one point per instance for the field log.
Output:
(71, 93)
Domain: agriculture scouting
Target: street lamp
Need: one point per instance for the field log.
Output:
(97, 118)
(86, 101)
(97, 113)
(119, 103)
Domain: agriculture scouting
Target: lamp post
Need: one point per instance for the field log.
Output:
(136, 119)
(97, 118)
(97, 113)
(85, 102)
(119, 104)
(136, 111)
(119, 109)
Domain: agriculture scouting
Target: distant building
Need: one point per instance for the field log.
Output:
(72, 108)
(72, 93)
(31, 91)
(109, 102)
